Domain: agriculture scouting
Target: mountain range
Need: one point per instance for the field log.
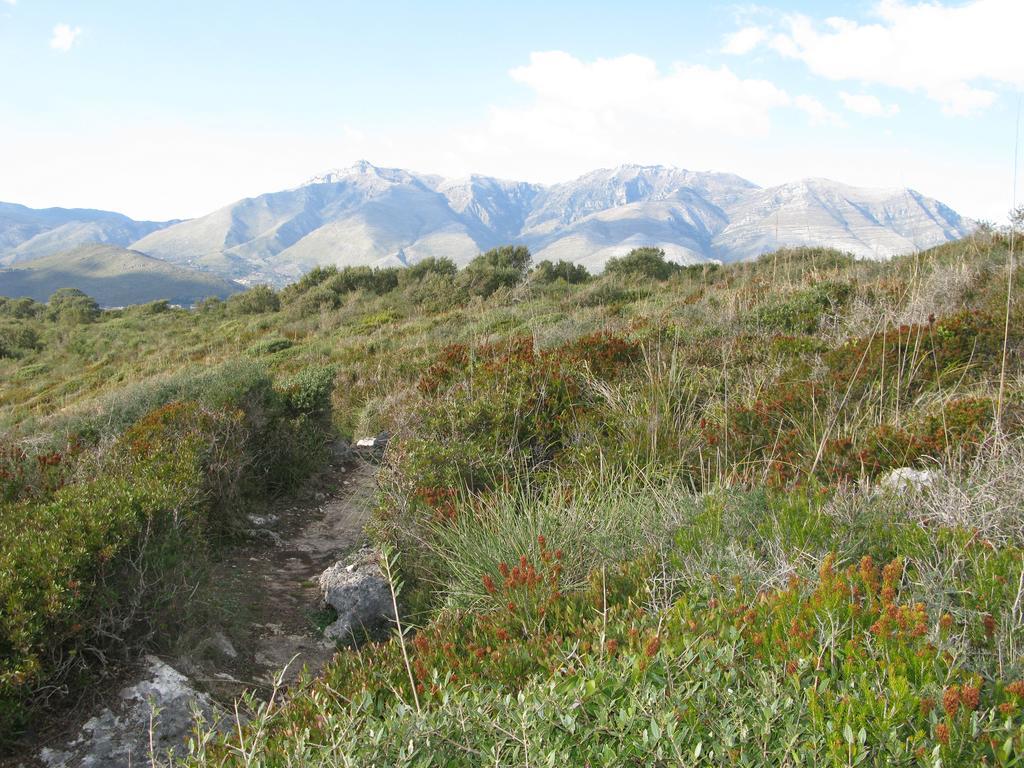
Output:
(28, 233)
(366, 215)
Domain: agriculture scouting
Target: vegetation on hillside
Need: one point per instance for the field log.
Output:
(638, 517)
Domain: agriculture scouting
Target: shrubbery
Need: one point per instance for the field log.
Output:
(255, 301)
(92, 570)
(17, 339)
(502, 267)
(802, 312)
(71, 306)
(618, 506)
(548, 272)
(20, 309)
(647, 263)
(774, 629)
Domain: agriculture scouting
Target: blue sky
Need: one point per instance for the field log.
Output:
(166, 110)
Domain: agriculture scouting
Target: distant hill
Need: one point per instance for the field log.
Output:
(389, 216)
(30, 233)
(113, 276)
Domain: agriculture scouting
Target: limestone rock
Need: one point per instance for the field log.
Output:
(120, 736)
(908, 478)
(357, 590)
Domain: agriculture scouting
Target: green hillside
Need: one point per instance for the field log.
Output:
(115, 277)
(641, 518)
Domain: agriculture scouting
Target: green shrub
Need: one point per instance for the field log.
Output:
(547, 272)
(349, 279)
(428, 267)
(308, 392)
(610, 293)
(497, 268)
(326, 287)
(173, 482)
(18, 339)
(64, 578)
(255, 301)
(647, 263)
(270, 346)
(802, 312)
(72, 307)
(20, 309)
(151, 308)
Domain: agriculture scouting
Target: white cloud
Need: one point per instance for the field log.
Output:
(818, 113)
(867, 104)
(955, 54)
(64, 36)
(744, 40)
(587, 113)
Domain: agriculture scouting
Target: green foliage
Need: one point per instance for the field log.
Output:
(72, 307)
(705, 429)
(325, 288)
(671, 658)
(802, 312)
(647, 263)
(187, 453)
(152, 308)
(18, 339)
(549, 272)
(256, 301)
(65, 561)
(502, 267)
(308, 393)
(425, 268)
(270, 346)
(20, 309)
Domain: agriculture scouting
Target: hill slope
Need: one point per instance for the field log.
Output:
(385, 216)
(28, 233)
(113, 276)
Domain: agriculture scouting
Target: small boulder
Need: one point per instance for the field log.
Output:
(158, 712)
(908, 478)
(373, 445)
(357, 590)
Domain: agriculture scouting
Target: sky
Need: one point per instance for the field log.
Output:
(172, 110)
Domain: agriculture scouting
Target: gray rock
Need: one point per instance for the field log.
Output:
(357, 590)
(163, 701)
(376, 443)
(909, 479)
(265, 535)
(262, 521)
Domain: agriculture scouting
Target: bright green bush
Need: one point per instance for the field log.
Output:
(64, 562)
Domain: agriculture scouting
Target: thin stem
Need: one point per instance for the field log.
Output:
(386, 562)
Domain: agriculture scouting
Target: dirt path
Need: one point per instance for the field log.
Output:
(272, 589)
(266, 596)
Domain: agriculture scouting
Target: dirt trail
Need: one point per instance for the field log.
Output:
(266, 596)
(272, 589)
